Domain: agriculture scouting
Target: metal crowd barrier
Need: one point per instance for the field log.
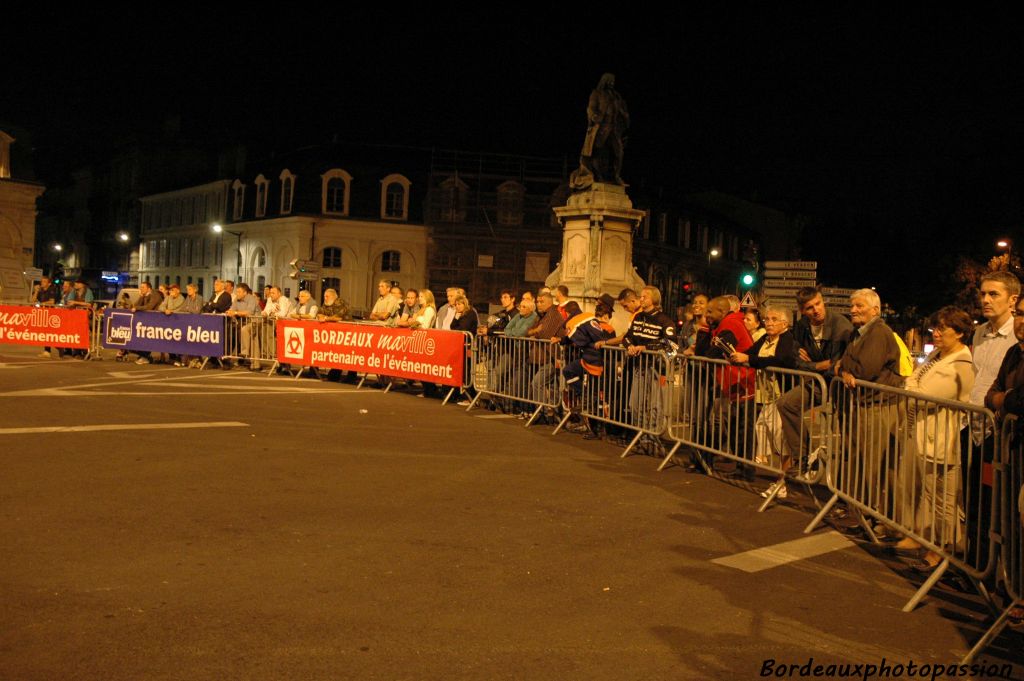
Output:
(1009, 486)
(519, 374)
(251, 338)
(776, 420)
(899, 458)
(95, 334)
(632, 393)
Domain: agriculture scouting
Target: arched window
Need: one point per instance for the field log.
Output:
(510, 203)
(390, 261)
(394, 197)
(332, 257)
(330, 282)
(259, 257)
(261, 195)
(287, 191)
(451, 203)
(239, 194)
(336, 190)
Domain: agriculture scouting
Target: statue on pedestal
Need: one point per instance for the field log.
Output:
(603, 145)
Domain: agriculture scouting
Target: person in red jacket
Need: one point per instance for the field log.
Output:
(735, 385)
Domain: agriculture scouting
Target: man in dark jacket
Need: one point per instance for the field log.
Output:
(822, 336)
(650, 329)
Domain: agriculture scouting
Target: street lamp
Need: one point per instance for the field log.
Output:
(123, 237)
(216, 227)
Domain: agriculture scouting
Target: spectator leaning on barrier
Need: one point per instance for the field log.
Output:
(872, 356)
(650, 328)
(446, 313)
(821, 336)
(241, 310)
(776, 348)
(192, 304)
(334, 308)
(496, 325)
(929, 476)
(386, 303)
(589, 333)
(44, 293)
(148, 301)
(551, 327)
(229, 288)
(220, 301)
(409, 309)
(735, 385)
(278, 304)
(173, 302)
(306, 309)
(567, 308)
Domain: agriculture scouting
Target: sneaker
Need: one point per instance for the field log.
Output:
(178, 364)
(44, 355)
(463, 403)
(142, 360)
(777, 485)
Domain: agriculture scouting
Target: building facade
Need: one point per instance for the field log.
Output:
(17, 227)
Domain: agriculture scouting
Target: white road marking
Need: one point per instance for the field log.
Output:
(495, 416)
(129, 374)
(122, 426)
(769, 557)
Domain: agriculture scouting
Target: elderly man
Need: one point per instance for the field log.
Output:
(306, 309)
(334, 308)
(872, 356)
(446, 313)
(220, 301)
(551, 327)
(277, 306)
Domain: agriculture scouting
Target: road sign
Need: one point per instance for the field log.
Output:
(779, 294)
(33, 272)
(791, 265)
(832, 290)
(748, 300)
(787, 284)
(791, 274)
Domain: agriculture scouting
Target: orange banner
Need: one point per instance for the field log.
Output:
(48, 326)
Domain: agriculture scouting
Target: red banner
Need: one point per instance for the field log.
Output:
(428, 355)
(47, 326)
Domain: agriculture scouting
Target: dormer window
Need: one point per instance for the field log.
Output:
(261, 195)
(335, 192)
(287, 191)
(394, 197)
(238, 189)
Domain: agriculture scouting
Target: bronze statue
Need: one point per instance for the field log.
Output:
(607, 123)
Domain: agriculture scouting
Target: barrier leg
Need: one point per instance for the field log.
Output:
(562, 422)
(476, 398)
(776, 489)
(639, 434)
(989, 636)
(451, 391)
(932, 580)
(671, 455)
(534, 415)
(821, 514)
(361, 381)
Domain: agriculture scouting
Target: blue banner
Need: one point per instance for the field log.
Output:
(200, 335)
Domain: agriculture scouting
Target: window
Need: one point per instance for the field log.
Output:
(200, 287)
(261, 195)
(287, 191)
(332, 257)
(391, 261)
(239, 192)
(452, 199)
(510, 203)
(336, 188)
(259, 257)
(394, 197)
(186, 252)
(261, 281)
(330, 282)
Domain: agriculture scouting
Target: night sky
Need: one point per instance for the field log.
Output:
(896, 134)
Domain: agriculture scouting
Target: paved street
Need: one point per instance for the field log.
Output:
(162, 523)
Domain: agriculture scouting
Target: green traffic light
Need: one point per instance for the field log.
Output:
(747, 279)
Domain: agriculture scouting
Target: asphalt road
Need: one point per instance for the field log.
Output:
(293, 529)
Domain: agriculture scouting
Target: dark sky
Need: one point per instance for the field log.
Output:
(897, 134)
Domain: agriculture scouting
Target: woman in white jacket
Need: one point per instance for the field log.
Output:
(931, 471)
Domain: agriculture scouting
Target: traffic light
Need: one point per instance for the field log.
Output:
(57, 275)
(748, 279)
(686, 293)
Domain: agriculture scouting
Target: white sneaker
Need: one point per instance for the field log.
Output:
(142, 360)
(779, 485)
(45, 354)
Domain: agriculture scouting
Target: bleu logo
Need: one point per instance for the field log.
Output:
(119, 328)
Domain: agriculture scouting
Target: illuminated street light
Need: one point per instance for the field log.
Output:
(1003, 243)
(58, 248)
(123, 236)
(216, 227)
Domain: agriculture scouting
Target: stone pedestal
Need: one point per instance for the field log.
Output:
(597, 244)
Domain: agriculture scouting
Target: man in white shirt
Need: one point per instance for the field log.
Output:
(386, 305)
(446, 313)
(998, 292)
(278, 306)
